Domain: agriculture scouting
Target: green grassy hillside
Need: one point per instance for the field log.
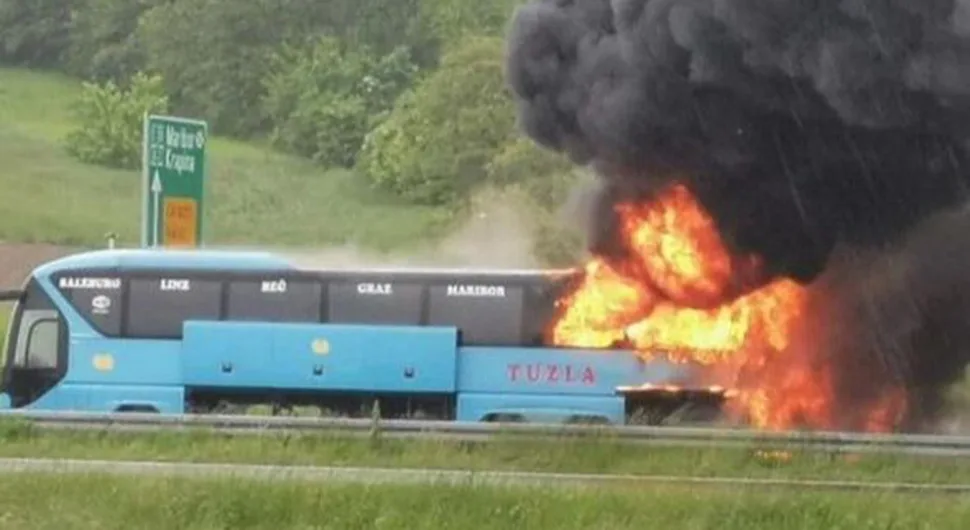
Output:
(257, 196)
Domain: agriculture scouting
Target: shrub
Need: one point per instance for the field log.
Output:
(556, 244)
(452, 20)
(110, 121)
(545, 178)
(544, 174)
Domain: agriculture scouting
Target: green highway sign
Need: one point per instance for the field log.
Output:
(173, 181)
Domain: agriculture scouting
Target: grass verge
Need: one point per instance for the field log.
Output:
(38, 502)
(255, 197)
(566, 454)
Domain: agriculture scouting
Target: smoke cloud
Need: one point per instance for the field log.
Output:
(802, 126)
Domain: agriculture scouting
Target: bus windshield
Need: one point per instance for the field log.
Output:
(33, 347)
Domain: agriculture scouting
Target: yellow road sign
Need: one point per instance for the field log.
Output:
(181, 218)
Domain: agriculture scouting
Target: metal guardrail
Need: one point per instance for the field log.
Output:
(670, 436)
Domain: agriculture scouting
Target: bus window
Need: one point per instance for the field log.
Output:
(38, 346)
(97, 299)
(375, 302)
(274, 300)
(158, 307)
(485, 314)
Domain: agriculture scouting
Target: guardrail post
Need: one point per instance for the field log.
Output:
(375, 422)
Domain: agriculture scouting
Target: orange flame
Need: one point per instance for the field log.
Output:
(679, 292)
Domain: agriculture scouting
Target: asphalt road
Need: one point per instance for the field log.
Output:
(432, 476)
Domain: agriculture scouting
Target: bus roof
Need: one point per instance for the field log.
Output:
(165, 259)
(239, 260)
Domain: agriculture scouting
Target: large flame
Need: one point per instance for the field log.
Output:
(679, 292)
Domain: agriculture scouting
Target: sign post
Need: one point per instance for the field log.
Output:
(173, 181)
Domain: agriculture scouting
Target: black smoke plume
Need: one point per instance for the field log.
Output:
(801, 125)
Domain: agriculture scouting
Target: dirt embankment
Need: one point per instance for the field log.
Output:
(18, 259)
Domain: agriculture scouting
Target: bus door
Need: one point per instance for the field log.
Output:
(36, 347)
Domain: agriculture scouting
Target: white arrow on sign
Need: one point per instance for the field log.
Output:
(156, 195)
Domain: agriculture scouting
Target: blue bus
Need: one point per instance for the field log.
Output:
(202, 331)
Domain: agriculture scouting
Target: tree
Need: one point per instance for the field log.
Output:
(433, 147)
(212, 55)
(215, 55)
(35, 32)
(103, 40)
(323, 100)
